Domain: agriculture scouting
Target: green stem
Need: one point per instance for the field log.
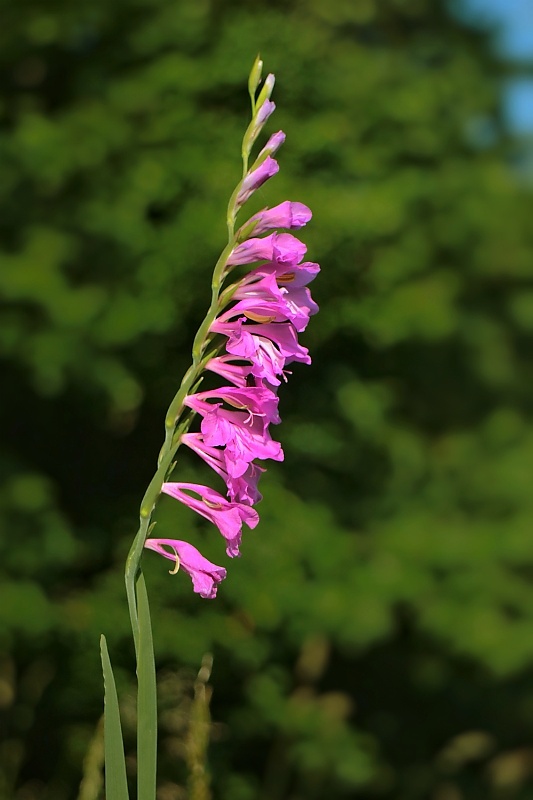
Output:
(146, 701)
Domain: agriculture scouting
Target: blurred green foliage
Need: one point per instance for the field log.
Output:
(375, 640)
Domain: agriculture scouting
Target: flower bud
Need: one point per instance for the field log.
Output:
(255, 77)
(266, 91)
(286, 215)
(272, 146)
(256, 125)
(256, 178)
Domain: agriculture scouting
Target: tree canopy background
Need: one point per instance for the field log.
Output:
(376, 638)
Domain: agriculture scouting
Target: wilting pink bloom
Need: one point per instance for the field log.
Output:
(248, 341)
(282, 248)
(267, 361)
(242, 438)
(257, 178)
(285, 215)
(241, 489)
(259, 401)
(227, 516)
(205, 575)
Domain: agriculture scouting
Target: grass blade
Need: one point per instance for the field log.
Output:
(146, 700)
(116, 785)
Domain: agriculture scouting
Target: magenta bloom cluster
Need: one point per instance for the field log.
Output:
(270, 305)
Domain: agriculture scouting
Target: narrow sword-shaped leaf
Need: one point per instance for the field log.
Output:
(116, 784)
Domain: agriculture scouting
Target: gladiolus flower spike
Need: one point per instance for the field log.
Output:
(247, 339)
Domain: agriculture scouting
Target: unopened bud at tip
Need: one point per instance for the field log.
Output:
(255, 76)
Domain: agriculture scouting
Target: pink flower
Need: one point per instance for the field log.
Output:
(259, 401)
(267, 361)
(241, 489)
(242, 438)
(205, 575)
(284, 215)
(268, 346)
(294, 306)
(283, 335)
(264, 287)
(225, 366)
(257, 178)
(282, 248)
(228, 517)
(265, 301)
(295, 276)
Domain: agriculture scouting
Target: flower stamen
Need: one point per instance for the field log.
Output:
(211, 504)
(176, 567)
(287, 277)
(259, 317)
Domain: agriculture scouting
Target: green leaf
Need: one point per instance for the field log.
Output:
(146, 700)
(116, 785)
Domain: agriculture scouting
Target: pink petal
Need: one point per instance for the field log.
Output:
(204, 574)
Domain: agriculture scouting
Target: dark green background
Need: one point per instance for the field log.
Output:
(375, 640)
